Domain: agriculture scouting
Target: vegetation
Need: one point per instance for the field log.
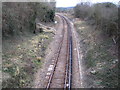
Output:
(22, 51)
(21, 17)
(99, 57)
(103, 15)
(22, 58)
(100, 53)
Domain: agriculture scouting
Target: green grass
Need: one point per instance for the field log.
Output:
(37, 62)
(109, 77)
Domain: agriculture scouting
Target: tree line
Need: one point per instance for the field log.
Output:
(104, 16)
(19, 17)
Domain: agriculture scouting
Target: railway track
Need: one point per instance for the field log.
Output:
(61, 74)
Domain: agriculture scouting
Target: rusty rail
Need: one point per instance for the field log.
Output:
(68, 71)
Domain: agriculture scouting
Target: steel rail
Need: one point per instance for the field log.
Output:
(69, 82)
(68, 69)
(59, 49)
(70, 56)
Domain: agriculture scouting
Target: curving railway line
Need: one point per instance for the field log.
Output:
(61, 73)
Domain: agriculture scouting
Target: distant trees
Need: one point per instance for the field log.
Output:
(82, 10)
(105, 16)
(19, 17)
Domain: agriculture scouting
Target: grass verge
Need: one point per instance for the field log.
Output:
(22, 57)
(100, 56)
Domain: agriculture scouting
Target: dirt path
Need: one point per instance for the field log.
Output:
(77, 67)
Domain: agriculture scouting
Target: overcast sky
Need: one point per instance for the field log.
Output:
(69, 3)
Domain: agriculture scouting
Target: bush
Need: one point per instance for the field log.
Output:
(82, 10)
(20, 17)
(105, 16)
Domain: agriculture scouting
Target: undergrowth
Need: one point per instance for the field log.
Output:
(21, 58)
(100, 56)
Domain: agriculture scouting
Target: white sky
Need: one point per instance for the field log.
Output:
(69, 3)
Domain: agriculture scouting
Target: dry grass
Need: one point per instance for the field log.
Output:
(100, 57)
(22, 58)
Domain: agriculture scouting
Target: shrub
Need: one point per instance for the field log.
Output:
(20, 16)
(105, 16)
